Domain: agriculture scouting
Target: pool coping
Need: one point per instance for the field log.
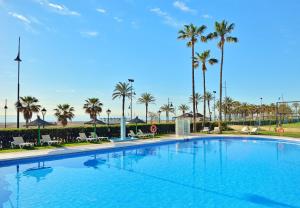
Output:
(14, 156)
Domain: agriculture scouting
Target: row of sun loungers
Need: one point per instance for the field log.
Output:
(216, 130)
(246, 130)
(140, 133)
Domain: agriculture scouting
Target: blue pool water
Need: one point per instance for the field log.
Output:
(206, 173)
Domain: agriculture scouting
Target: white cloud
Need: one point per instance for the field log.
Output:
(20, 17)
(183, 7)
(206, 16)
(58, 8)
(89, 33)
(118, 19)
(167, 19)
(100, 10)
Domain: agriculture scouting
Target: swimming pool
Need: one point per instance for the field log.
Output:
(211, 172)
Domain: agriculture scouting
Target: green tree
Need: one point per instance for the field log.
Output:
(93, 107)
(209, 97)
(168, 109)
(63, 113)
(146, 98)
(183, 108)
(28, 107)
(122, 90)
(203, 59)
(192, 33)
(222, 30)
(198, 99)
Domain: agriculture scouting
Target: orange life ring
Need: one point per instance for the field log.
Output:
(280, 130)
(153, 129)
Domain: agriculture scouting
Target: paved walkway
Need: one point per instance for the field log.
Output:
(107, 146)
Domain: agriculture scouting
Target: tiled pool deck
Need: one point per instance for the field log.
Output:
(108, 146)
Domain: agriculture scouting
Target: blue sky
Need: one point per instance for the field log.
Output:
(73, 50)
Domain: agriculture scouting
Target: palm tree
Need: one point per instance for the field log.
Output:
(63, 113)
(198, 99)
(222, 30)
(183, 108)
(146, 98)
(168, 109)
(122, 90)
(209, 97)
(93, 107)
(28, 107)
(203, 59)
(191, 33)
(296, 106)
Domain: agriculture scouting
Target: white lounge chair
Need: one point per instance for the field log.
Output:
(254, 131)
(19, 142)
(132, 134)
(206, 129)
(216, 130)
(94, 135)
(83, 137)
(142, 134)
(47, 139)
(245, 130)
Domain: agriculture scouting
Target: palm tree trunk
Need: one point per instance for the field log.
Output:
(193, 88)
(209, 111)
(123, 106)
(221, 86)
(146, 112)
(204, 99)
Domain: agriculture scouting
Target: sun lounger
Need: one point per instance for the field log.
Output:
(47, 139)
(216, 130)
(19, 142)
(94, 135)
(206, 129)
(132, 134)
(254, 131)
(83, 137)
(142, 134)
(245, 130)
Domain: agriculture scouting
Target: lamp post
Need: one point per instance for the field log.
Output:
(214, 105)
(18, 59)
(44, 111)
(260, 111)
(131, 94)
(108, 113)
(159, 112)
(5, 109)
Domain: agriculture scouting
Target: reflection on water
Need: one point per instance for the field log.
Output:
(39, 173)
(4, 192)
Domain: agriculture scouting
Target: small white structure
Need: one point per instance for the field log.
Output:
(123, 128)
(183, 126)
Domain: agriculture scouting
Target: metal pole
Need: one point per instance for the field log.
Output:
(18, 59)
(259, 123)
(214, 105)
(5, 109)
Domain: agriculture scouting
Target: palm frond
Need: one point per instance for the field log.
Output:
(232, 39)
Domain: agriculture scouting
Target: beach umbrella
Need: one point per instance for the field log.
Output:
(136, 120)
(39, 122)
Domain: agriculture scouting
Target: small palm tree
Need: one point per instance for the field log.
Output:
(63, 113)
(192, 33)
(28, 107)
(146, 98)
(222, 30)
(198, 99)
(296, 106)
(168, 109)
(203, 59)
(209, 97)
(122, 90)
(183, 108)
(93, 107)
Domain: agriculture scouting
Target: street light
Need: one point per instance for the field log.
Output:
(44, 111)
(5, 109)
(159, 112)
(18, 59)
(214, 105)
(131, 94)
(108, 113)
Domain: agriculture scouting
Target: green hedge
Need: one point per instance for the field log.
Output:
(69, 134)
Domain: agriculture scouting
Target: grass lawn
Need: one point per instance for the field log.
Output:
(269, 133)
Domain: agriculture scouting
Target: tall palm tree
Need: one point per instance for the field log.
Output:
(146, 98)
(204, 59)
(222, 30)
(93, 107)
(183, 108)
(168, 109)
(198, 99)
(122, 90)
(192, 33)
(209, 97)
(296, 106)
(63, 113)
(28, 107)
